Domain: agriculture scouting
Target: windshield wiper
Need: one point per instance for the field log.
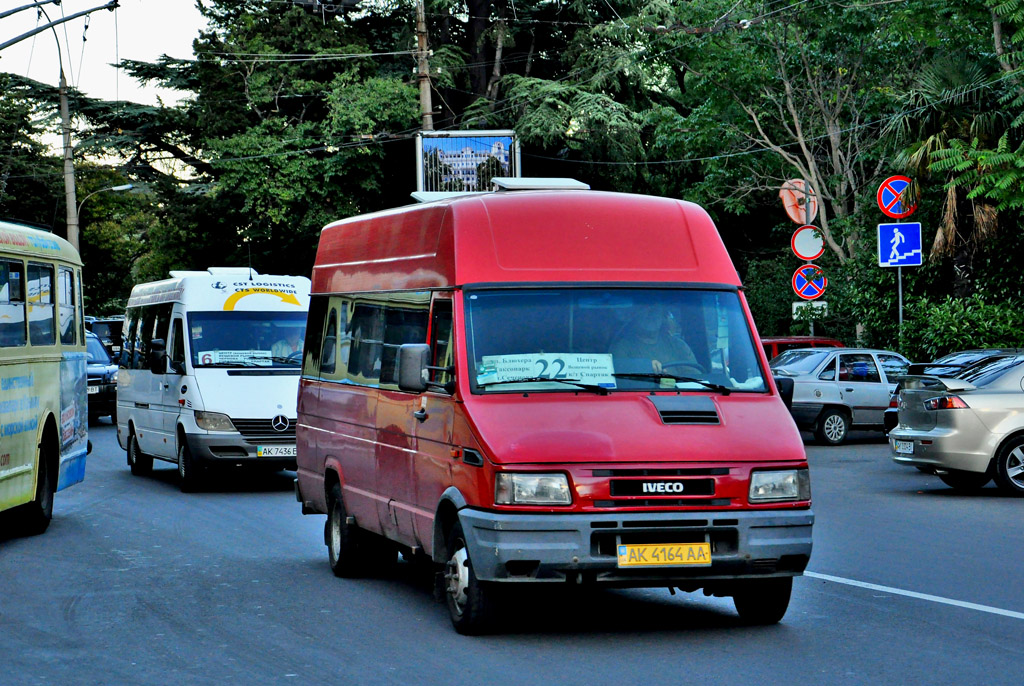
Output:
(600, 390)
(724, 390)
(229, 364)
(284, 360)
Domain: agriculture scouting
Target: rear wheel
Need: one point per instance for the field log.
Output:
(763, 601)
(1009, 472)
(140, 463)
(965, 482)
(190, 472)
(36, 515)
(832, 427)
(352, 551)
(470, 601)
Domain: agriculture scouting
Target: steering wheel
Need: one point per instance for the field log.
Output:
(295, 356)
(687, 364)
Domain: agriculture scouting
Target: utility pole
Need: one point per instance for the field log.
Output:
(423, 67)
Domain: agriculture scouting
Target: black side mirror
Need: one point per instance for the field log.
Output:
(157, 355)
(785, 386)
(412, 366)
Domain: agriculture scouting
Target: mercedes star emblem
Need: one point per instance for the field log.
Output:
(279, 423)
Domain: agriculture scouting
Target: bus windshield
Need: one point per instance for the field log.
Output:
(246, 339)
(609, 339)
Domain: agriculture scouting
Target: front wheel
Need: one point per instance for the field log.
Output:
(37, 514)
(763, 601)
(470, 601)
(140, 463)
(190, 472)
(965, 482)
(1009, 470)
(832, 427)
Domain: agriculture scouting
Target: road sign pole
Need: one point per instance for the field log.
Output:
(807, 220)
(899, 295)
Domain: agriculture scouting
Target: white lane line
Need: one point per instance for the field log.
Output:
(919, 596)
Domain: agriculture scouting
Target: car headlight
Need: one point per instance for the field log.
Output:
(778, 485)
(531, 489)
(214, 421)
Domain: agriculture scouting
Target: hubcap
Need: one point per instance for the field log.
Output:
(835, 428)
(181, 463)
(335, 533)
(133, 454)
(457, 578)
(1015, 466)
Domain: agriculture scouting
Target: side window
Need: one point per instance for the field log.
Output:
(128, 336)
(313, 343)
(66, 305)
(41, 330)
(80, 307)
(403, 323)
(858, 367)
(329, 354)
(143, 337)
(893, 366)
(367, 343)
(828, 373)
(177, 349)
(12, 304)
(442, 348)
(163, 321)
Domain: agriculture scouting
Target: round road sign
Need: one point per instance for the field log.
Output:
(809, 282)
(889, 198)
(807, 242)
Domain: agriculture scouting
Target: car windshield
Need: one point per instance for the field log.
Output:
(985, 373)
(799, 361)
(246, 339)
(95, 353)
(575, 340)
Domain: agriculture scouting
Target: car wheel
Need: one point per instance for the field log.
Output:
(1009, 472)
(190, 472)
(340, 536)
(36, 515)
(966, 482)
(832, 427)
(470, 601)
(140, 463)
(762, 601)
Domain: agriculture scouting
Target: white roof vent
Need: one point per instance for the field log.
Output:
(513, 183)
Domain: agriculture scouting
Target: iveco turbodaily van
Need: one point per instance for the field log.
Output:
(557, 386)
(209, 371)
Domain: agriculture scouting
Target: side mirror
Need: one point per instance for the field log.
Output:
(157, 355)
(412, 366)
(785, 386)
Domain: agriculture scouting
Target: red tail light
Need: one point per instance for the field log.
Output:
(894, 401)
(945, 402)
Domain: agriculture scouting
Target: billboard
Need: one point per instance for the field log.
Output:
(464, 161)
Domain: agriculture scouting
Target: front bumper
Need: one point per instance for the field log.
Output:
(526, 547)
(945, 448)
(103, 400)
(232, 449)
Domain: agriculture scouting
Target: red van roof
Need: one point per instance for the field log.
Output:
(523, 236)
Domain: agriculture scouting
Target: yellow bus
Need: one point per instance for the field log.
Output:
(44, 414)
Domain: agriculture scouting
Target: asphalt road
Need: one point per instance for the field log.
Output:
(136, 583)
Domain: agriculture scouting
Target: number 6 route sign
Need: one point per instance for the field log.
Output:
(809, 282)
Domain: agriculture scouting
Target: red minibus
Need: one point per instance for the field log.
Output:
(547, 387)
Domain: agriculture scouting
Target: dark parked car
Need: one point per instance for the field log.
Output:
(102, 373)
(948, 366)
(109, 331)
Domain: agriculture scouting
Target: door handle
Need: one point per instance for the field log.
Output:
(420, 414)
(848, 390)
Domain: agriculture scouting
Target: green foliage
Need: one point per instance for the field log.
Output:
(934, 329)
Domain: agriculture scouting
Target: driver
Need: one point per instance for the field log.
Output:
(289, 345)
(649, 335)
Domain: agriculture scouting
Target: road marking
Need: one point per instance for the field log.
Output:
(919, 596)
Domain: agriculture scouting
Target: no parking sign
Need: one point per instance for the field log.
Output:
(889, 198)
(809, 282)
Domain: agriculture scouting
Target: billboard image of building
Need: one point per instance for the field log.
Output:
(464, 161)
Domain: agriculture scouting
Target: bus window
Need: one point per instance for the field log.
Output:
(440, 340)
(40, 305)
(12, 305)
(66, 306)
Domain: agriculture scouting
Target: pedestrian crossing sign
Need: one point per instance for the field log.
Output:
(899, 245)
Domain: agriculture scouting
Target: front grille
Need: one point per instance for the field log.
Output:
(262, 431)
(624, 488)
(665, 502)
(687, 471)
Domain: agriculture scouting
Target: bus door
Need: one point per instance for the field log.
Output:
(173, 379)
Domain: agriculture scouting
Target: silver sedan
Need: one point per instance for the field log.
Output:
(966, 430)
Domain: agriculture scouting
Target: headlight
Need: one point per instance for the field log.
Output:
(214, 421)
(531, 489)
(779, 485)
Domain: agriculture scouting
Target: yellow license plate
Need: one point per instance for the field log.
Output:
(665, 555)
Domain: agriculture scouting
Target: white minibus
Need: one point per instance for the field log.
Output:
(209, 371)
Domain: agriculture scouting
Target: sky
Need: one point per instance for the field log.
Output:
(140, 30)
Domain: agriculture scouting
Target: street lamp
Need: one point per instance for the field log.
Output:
(125, 187)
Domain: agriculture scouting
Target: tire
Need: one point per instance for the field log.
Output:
(113, 416)
(36, 515)
(190, 472)
(470, 601)
(1009, 471)
(340, 537)
(763, 601)
(140, 463)
(965, 482)
(833, 425)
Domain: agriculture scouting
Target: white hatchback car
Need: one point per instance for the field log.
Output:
(839, 389)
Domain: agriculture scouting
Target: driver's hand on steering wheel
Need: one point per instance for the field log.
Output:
(656, 365)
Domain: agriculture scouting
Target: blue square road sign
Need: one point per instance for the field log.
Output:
(899, 245)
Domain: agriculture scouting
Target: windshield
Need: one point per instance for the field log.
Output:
(246, 339)
(609, 339)
(985, 373)
(799, 360)
(95, 353)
